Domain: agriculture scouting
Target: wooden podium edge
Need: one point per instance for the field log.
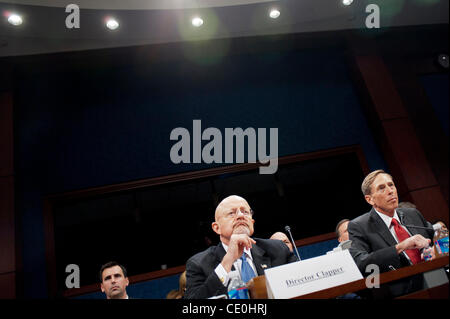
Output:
(438, 292)
(258, 289)
(384, 278)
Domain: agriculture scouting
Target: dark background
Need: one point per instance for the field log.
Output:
(168, 224)
(80, 124)
(96, 118)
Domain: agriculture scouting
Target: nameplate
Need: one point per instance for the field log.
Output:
(310, 275)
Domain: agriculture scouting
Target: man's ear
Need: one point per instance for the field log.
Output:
(102, 288)
(369, 199)
(127, 281)
(215, 226)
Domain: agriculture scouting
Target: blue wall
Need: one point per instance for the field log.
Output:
(91, 127)
(153, 289)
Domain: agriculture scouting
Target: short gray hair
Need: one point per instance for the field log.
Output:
(366, 186)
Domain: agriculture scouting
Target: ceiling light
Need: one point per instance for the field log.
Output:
(112, 24)
(15, 19)
(347, 2)
(274, 14)
(197, 22)
(443, 60)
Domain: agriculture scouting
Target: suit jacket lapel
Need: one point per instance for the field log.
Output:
(260, 258)
(380, 227)
(220, 253)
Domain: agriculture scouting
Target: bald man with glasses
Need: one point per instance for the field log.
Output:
(207, 273)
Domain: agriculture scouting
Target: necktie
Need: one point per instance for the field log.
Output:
(402, 234)
(247, 272)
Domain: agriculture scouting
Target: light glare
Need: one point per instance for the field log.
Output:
(15, 19)
(274, 14)
(112, 24)
(197, 22)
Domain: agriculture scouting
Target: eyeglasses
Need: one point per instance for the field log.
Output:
(234, 212)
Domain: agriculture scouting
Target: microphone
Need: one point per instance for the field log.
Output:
(434, 228)
(288, 229)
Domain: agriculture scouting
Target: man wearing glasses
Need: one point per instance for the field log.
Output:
(207, 272)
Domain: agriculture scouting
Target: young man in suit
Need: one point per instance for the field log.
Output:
(114, 280)
(207, 272)
(381, 236)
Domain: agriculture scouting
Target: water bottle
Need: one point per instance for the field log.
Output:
(237, 288)
(441, 241)
(427, 253)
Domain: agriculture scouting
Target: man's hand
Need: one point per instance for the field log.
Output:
(414, 242)
(237, 244)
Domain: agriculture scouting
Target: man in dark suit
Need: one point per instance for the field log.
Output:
(207, 272)
(380, 237)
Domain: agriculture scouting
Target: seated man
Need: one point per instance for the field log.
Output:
(380, 236)
(341, 230)
(344, 243)
(207, 272)
(282, 236)
(342, 235)
(114, 280)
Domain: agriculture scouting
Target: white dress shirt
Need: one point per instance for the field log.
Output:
(223, 274)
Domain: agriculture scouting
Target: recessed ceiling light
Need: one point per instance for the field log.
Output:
(15, 19)
(347, 2)
(197, 22)
(112, 24)
(443, 60)
(274, 13)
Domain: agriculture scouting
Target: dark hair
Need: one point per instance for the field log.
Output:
(339, 225)
(109, 265)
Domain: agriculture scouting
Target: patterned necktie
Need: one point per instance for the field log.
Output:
(247, 272)
(413, 254)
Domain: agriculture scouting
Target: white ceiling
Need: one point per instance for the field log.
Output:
(137, 4)
(163, 21)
